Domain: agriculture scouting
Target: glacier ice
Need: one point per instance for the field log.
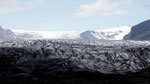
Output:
(109, 57)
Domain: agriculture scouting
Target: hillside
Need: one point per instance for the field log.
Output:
(140, 31)
(6, 34)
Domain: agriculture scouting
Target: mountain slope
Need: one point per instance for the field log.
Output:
(140, 31)
(115, 33)
(92, 35)
(6, 34)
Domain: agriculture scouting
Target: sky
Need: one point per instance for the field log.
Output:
(72, 15)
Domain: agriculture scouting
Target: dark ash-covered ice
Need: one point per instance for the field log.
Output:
(54, 56)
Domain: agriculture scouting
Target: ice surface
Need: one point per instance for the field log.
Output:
(115, 33)
(78, 55)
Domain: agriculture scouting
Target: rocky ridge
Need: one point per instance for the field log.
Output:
(140, 31)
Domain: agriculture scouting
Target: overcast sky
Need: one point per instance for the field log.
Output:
(70, 15)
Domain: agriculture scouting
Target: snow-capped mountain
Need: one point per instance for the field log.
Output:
(6, 34)
(92, 35)
(116, 33)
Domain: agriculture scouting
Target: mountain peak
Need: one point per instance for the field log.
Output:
(91, 35)
(6, 34)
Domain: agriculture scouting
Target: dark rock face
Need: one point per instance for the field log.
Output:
(139, 32)
(67, 61)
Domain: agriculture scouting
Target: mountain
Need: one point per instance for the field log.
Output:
(6, 34)
(140, 31)
(116, 33)
(92, 35)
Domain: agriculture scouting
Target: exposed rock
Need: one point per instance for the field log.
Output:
(139, 32)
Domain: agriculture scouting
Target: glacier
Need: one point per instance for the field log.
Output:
(96, 56)
(68, 61)
(114, 33)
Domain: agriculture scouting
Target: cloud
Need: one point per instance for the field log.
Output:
(7, 6)
(102, 7)
(147, 6)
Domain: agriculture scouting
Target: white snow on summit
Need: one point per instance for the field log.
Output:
(92, 35)
(115, 33)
